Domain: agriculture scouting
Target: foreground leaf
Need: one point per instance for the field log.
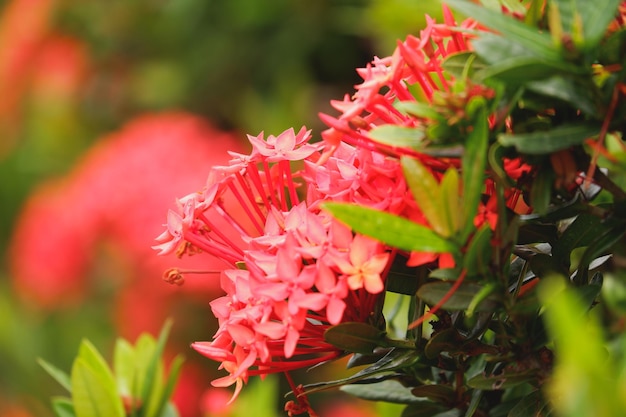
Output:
(389, 229)
(93, 397)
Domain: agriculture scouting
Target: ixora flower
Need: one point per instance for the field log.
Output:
(292, 271)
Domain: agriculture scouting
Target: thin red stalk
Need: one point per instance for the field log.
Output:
(246, 208)
(441, 302)
(215, 248)
(255, 177)
(225, 239)
(246, 188)
(270, 184)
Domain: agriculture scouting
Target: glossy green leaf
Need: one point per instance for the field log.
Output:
(486, 291)
(389, 390)
(600, 245)
(518, 70)
(92, 396)
(63, 407)
(581, 232)
(531, 405)
(396, 359)
(478, 253)
(571, 90)
(444, 341)
(443, 394)
(399, 136)
(544, 142)
(389, 229)
(355, 337)
(493, 48)
(539, 43)
(427, 194)
(473, 164)
(544, 265)
(60, 376)
(424, 409)
(542, 190)
(433, 292)
(506, 379)
(451, 200)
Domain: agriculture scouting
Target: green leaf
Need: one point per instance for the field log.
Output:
(144, 351)
(432, 292)
(474, 164)
(596, 17)
(92, 396)
(389, 390)
(63, 407)
(60, 376)
(542, 189)
(581, 232)
(600, 245)
(430, 410)
(451, 200)
(427, 194)
(417, 109)
(355, 337)
(478, 254)
(549, 141)
(163, 407)
(463, 64)
(506, 379)
(483, 294)
(400, 136)
(96, 363)
(571, 90)
(124, 367)
(443, 394)
(493, 48)
(396, 359)
(583, 380)
(170, 411)
(389, 229)
(536, 42)
(530, 405)
(152, 392)
(519, 70)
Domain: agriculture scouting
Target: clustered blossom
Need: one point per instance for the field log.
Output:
(291, 270)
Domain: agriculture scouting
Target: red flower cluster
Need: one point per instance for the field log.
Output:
(292, 270)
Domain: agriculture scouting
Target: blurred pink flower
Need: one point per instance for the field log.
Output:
(116, 194)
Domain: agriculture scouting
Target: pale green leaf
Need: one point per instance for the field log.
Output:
(427, 194)
(93, 397)
(390, 229)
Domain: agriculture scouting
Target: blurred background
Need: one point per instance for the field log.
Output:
(109, 110)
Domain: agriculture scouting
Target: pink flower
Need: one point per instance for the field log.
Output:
(364, 264)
